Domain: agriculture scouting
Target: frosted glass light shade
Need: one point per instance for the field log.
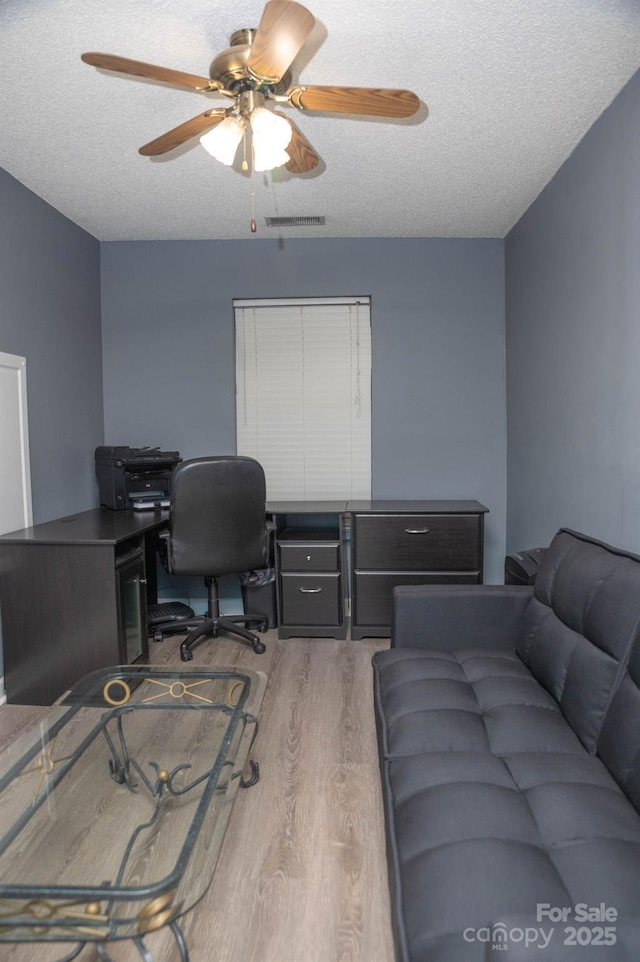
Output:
(222, 142)
(271, 135)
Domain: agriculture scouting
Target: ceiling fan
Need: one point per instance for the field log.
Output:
(252, 72)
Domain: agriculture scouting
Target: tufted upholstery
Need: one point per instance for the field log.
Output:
(579, 627)
(510, 776)
(619, 744)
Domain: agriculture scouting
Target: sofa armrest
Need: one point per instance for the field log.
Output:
(451, 617)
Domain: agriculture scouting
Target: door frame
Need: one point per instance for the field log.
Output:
(18, 458)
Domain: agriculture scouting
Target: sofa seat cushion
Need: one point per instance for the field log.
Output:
(469, 701)
(475, 840)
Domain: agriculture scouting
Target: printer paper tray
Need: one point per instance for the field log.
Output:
(141, 505)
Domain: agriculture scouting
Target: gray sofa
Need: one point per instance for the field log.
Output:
(508, 724)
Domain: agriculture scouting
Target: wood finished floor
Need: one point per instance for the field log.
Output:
(302, 873)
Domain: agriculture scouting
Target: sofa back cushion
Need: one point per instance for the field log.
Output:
(619, 744)
(580, 625)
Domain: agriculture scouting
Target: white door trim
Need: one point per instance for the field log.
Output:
(18, 365)
(15, 498)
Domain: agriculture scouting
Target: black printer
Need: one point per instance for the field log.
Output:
(138, 478)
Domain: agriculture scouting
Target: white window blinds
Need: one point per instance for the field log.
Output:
(303, 395)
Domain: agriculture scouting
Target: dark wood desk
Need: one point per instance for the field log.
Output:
(73, 592)
(73, 598)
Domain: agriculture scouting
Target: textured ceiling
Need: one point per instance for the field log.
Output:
(511, 87)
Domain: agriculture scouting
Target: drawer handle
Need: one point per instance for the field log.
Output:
(417, 530)
(309, 591)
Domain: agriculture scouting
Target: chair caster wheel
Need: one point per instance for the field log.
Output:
(186, 654)
(262, 627)
(259, 648)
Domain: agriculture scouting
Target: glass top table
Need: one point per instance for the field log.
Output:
(113, 808)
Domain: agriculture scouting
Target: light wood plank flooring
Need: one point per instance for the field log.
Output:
(302, 873)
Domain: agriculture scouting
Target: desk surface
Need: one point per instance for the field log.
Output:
(306, 507)
(104, 526)
(376, 505)
(98, 526)
(395, 506)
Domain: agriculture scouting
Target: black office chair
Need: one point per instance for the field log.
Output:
(217, 526)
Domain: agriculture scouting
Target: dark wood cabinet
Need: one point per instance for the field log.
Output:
(310, 582)
(408, 543)
(310, 600)
(373, 594)
(416, 542)
(133, 638)
(73, 597)
(324, 574)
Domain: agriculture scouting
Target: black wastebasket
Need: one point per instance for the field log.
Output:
(259, 594)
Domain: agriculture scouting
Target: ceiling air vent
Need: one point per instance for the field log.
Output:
(313, 221)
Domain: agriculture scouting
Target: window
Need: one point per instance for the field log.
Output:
(303, 395)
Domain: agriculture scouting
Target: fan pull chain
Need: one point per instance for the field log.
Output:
(254, 226)
(245, 165)
(245, 168)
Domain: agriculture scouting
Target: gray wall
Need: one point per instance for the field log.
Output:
(50, 284)
(439, 422)
(573, 343)
(50, 290)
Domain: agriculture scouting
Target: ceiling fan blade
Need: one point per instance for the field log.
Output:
(190, 128)
(283, 29)
(368, 101)
(303, 156)
(108, 61)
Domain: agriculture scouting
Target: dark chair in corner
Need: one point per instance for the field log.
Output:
(217, 526)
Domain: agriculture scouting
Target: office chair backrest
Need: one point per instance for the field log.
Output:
(217, 516)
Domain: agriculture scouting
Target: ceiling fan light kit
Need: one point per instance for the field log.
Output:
(222, 142)
(271, 136)
(252, 71)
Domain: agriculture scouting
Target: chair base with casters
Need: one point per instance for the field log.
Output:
(209, 625)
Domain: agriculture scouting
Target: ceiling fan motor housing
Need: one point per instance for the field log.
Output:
(229, 67)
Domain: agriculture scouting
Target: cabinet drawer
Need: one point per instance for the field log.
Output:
(372, 593)
(309, 556)
(417, 542)
(310, 599)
